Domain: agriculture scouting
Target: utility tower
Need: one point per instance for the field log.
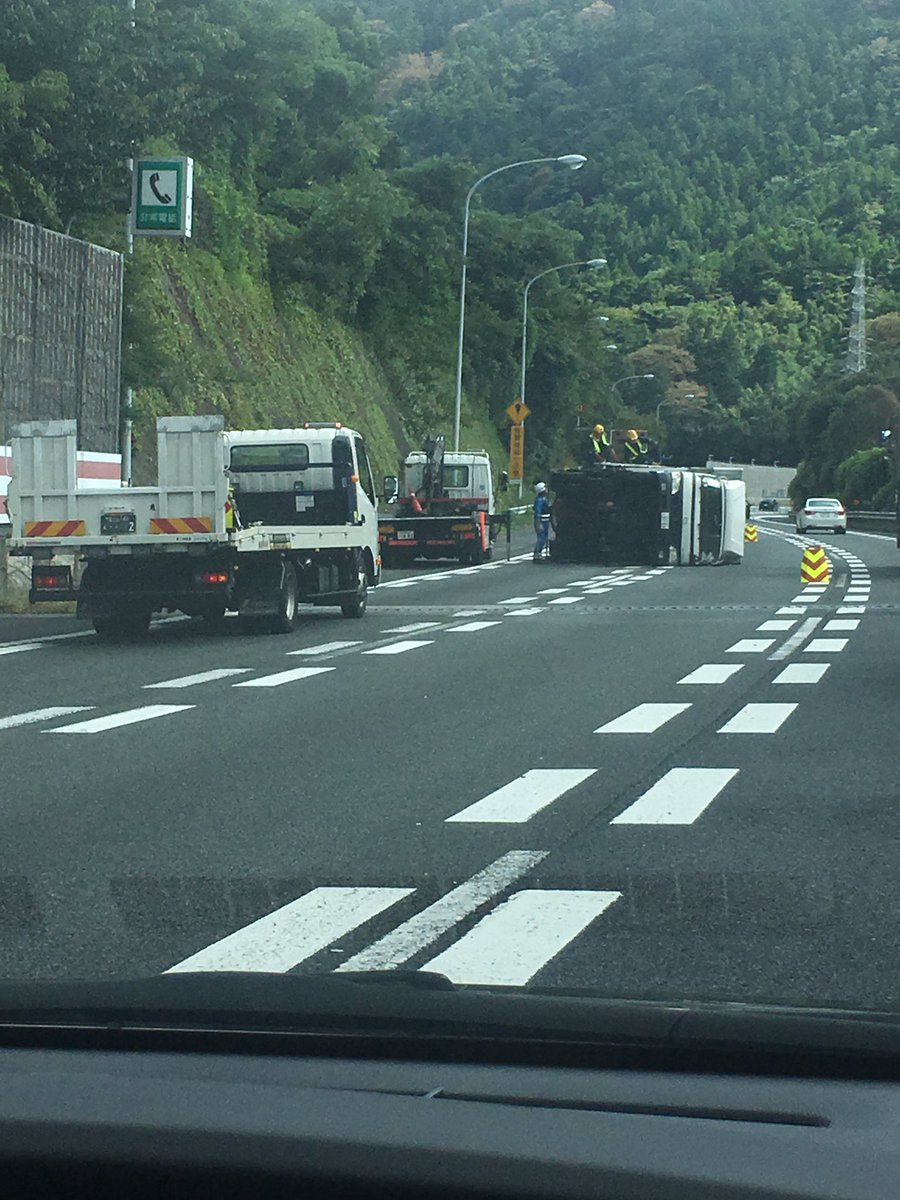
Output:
(856, 351)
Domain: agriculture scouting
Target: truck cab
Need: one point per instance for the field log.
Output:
(317, 475)
(466, 482)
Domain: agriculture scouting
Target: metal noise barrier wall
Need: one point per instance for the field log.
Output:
(60, 332)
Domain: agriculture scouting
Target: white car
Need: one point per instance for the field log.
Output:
(822, 512)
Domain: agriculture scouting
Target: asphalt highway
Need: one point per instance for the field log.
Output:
(678, 782)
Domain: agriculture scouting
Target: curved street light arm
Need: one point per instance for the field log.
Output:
(574, 161)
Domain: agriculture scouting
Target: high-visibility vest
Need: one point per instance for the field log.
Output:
(636, 449)
(599, 444)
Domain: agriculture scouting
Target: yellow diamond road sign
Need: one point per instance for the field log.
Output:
(517, 412)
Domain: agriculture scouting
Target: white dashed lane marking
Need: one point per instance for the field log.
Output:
(396, 648)
(282, 677)
(840, 626)
(41, 714)
(645, 718)
(826, 646)
(416, 628)
(20, 648)
(790, 611)
(802, 673)
(567, 600)
(775, 626)
(324, 648)
(473, 626)
(758, 718)
(286, 937)
(524, 612)
(203, 677)
(678, 798)
(751, 646)
(519, 800)
(846, 610)
(713, 673)
(510, 945)
(132, 716)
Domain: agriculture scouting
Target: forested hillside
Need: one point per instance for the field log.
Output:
(741, 156)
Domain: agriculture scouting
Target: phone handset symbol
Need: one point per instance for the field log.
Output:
(162, 197)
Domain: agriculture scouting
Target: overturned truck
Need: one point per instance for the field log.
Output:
(637, 516)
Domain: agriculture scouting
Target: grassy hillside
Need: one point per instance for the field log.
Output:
(203, 340)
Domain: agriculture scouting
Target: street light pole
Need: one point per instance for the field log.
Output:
(574, 162)
(686, 396)
(584, 262)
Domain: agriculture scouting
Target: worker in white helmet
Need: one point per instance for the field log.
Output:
(541, 520)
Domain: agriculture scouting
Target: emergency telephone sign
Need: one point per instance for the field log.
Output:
(163, 196)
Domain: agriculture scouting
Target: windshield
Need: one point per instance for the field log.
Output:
(582, 715)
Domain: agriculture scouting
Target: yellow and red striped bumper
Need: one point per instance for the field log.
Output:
(54, 529)
(181, 524)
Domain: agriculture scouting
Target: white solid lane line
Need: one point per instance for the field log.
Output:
(826, 646)
(840, 626)
(416, 628)
(775, 626)
(280, 677)
(678, 798)
(296, 931)
(802, 673)
(41, 714)
(131, 716)
(397, 648)
(473, 626)
(644, 718)
(19, 647)
(751, 646)
(202, 677)
(438, 918)
(515, 941)
(567, 600)
(713, 673)
(324, 648)
(520, 800)
(758, 718)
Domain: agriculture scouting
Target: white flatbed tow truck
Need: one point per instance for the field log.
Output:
(254, 521)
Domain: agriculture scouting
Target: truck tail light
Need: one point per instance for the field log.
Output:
(211, 578)
(57, 579)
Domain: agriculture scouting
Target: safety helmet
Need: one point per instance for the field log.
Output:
(599, 430)
(540, 488)
(631, 435)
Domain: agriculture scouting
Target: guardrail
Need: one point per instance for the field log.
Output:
(881, 522)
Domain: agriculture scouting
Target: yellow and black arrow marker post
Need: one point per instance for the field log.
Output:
(815, 567)
(751, 533)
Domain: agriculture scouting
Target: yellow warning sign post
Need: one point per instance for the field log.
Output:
(815, 567)
(517, 412)
(751, 533)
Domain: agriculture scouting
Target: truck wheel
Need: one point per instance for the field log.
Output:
(120, 626)
(286, 618)
(357, 606)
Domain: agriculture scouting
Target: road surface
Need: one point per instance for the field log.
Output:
(667, 782)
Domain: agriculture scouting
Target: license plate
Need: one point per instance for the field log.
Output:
(117, 522)
(406, 535)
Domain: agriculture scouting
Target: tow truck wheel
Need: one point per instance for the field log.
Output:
(286, 617)
(357, 606)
